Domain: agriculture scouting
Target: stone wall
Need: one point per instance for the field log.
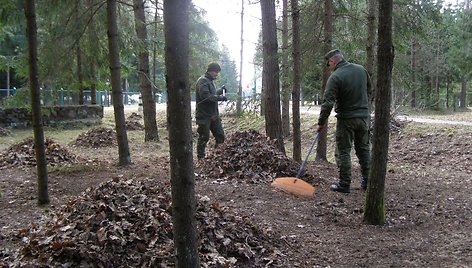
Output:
(21, 117)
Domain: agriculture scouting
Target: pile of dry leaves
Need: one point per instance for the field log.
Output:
(4, 132)
(248, 156)
(129, 224)
(133, 122)
(23, 154)
(96, 138)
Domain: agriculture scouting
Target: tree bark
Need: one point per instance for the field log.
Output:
(297, 153)
(463, 96)
(413, 72)
(39, 147)
(240, 86)
(321, 147)
(149, 105)
(92, 36)
(80, 75)
(285, 73)
(270, 74)
(374, 212)
(179, 119)
(371, 19)
(117, 92)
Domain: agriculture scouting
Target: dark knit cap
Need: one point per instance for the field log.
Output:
(332, 53)
(213, 67)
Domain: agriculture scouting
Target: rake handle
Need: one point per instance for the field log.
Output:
(309, 152)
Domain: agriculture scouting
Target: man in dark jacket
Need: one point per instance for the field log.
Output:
(349, 90)
(206, 113)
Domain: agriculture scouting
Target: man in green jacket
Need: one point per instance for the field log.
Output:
(206, 113)
(349, 90)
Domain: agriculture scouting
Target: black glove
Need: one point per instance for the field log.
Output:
(222, 98)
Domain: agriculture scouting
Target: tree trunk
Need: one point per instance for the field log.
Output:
(413, 72)
(149, 105)
(371, 19)
(39, 147)
(92, 37)
(463, 96)
(155, 46)
(117, 92)
(285, 73)
(297, 154)
(179, 119)
(374, 212)
(80, 75)
(240, 87)
(270, 74)
(321, 147)
(93, 83)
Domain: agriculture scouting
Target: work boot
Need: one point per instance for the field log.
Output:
(364, 184)
(339, 188)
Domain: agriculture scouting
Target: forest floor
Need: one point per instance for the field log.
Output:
(428, 196)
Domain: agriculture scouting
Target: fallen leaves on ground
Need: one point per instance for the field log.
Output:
(248, 156)
(23, 154)
(96, 138)
(129, 224)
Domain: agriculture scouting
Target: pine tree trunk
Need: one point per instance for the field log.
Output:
(240, 86)
(413, 72)
(463, 96)
(117, 92)
(371, 19)
(92, 37)
(80, 75)
(179, 119)
(297, 154)
(285, 73)
(273, 122)
(321, 147)
(39, 147)
(374, 212)
(149, 105)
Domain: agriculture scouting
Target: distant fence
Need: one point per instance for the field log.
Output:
(68, 97)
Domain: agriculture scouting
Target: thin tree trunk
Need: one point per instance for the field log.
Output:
(80, 75)
(240, 86)
(92, 37)
(117, 92)
(447, 91)
(39, 147)
(179, 119)
(297, 153)
(371, 19)
(374, 212)
(285, 73)
(413, 72)
(270, 76)
(154, 46)
(149, 105)
(321, 147)
(463, 96)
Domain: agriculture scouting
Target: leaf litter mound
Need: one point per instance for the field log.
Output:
(133, 122)
(126, 223)
(23, 154)
(248, 156)
(97, 138)
(4, 132)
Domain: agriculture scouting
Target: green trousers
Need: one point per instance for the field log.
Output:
(348, 131)
(214, 125)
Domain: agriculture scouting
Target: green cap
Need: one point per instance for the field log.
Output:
(331, 53)
(213, 67)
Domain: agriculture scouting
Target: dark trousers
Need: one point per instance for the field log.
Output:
(214, 125)
(348, 131)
